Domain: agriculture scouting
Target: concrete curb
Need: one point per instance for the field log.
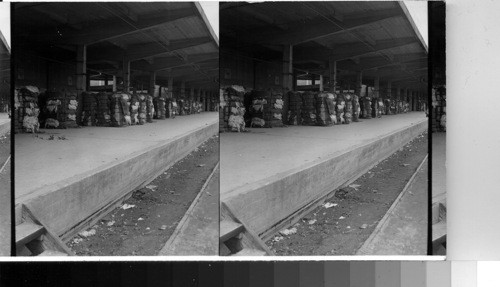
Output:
(382, 222)
(68, 205)
(187, 216)
(275, 201)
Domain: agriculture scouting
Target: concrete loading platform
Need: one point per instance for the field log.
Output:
(268, 176)
(66, 183)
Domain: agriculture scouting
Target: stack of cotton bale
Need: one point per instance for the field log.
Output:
(26, 110)
(120, 109)
(348, 112)
(356, 108)
(223, 110)
(308, 109)
(150, 109)
(89, 109)
(294, 108)
(258, 102)
(323, 114)
(60, 109)
(103, 116)
(160, 108)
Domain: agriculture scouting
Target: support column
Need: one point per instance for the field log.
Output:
(333, 74)
(287, 67)
(376, 87)
(152, 83)
(81, 69)
(359, 82)
(114, 83)
(126, 75)
(321, 89)
(170, 87)
(389, 89)
(183, 89)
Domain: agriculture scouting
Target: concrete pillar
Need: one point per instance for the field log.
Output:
(288, 67)
(376, 87)
(183, 90)
(114, 83)
(126, 75)
(332, 65)
(359, 82)
(191, 94)
(152, 83)
(389, 89)
(321, 89)
(81, 69)
(170, 87)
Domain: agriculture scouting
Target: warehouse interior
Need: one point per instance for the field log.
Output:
(108, 96)
(325, 82)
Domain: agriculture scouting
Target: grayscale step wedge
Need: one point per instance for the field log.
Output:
(235, 239)
(33, 238)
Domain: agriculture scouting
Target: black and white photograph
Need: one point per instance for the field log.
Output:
(5, 156)
(324, 128)
(117, 148)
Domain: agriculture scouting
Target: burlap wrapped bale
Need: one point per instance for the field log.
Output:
(89, 109)
(26, 110)
(257, 106)
(134, 109)
(103, 116)
(374, 104)
(356, 108)
(236, 121)
(273, 110)
(387, 105)
(381, 107)
(160, 108)
(325, 115)
(348, 108)
(367, 107)
(294, 108)
(150, 109)
(120, 109)
(308, 109)
(340, 109)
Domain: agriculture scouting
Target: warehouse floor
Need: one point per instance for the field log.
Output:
(41, 161)
(250, 157)
(69, 176)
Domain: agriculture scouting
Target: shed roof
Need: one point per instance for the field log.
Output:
(378, 38)
(156, 36)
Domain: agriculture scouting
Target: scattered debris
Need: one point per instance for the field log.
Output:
(405, 164)
(163, 227)
(77, 240)
(364, 226)
(341, 217)
(329, 204)
(87, 233)
(140, 218)
(312, 221)
(127, 206)
(201, 165)
(354, 186)
(286, 232)
(278, 238)
(151, 187)
(110, 223)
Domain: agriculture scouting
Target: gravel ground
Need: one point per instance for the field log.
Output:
(356, 209)
(154, 211)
